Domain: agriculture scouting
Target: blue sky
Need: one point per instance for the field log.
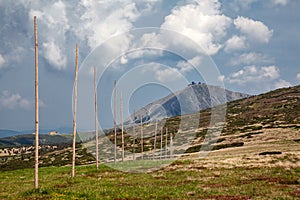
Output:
(252, 45)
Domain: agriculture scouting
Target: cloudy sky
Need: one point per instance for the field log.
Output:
(253, 45)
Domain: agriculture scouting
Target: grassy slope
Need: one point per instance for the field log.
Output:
(264, 123)
(182, 180)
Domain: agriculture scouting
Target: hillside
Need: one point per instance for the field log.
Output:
(263, 124)
(28, 139)
(270, 118)
(189, 100)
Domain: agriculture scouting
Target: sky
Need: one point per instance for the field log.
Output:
(152, 47)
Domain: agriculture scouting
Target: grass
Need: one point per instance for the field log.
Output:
(169, 183)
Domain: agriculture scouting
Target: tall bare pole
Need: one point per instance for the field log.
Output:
(134, 135)
(121, 116)
(74, 114)
(161, 142)
(166, 144)
(142, 140)
(36, 166)
(171, 145)
(155, 133)
(96, 118)
(115, 123)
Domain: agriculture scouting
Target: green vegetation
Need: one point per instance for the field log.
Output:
(59, 157)
(238, 183)
(197, 148)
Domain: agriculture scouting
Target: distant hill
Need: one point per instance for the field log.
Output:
(8, 133)
(28, 139)
(189, 100)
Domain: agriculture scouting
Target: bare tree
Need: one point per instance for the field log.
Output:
(96, 118)
(122, 128)
(36, 166)
(74, 114)
(115, 123)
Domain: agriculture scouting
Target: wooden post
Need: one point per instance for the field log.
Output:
(36, 166)
(115, 123)
(142, 140)
(122, 128)
(154, 145)
(171, 145)
(96, 118)
(166, 144)
(74, 114)
(161, 142)
(134, 135)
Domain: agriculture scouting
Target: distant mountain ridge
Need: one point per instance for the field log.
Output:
(189, 100)
(8, 133)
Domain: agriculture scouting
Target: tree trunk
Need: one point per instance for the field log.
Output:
(36, 166)
(96, 119)
(74, 114)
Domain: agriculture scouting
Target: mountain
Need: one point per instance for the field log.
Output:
(7, 133)
(189, 100)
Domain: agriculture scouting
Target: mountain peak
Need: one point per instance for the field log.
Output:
(191, 99)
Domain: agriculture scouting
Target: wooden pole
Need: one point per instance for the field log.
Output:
(166, 144)
(121, 116)
(36, 166)
(142, 140)
(155, 133)
(161, 142)
(171, 146)
(96, 118)
(74, 114)
(134, 135)
(115, 123)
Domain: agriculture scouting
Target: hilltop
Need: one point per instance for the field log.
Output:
(193, 98)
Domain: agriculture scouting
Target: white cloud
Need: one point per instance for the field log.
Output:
(254, 30)
(242, 4)
(54, 55)
(202, 22)
(298, 76)
(2, 61)
(235, 43)
(104, 19)
(282, 84)
(186, 66)
(250, 58)
(167, 75)
(254, 74)
(221, 78)
(280, 2)
(163, 73)
(53, 24)
(12, 101)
